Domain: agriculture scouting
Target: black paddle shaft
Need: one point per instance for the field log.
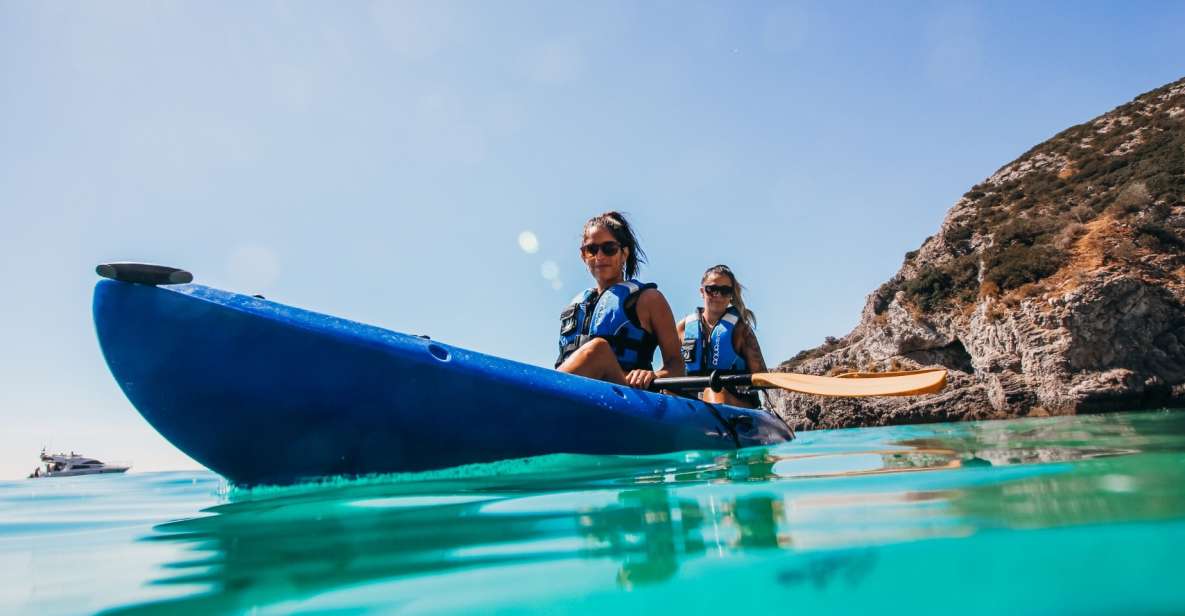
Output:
(714, 381)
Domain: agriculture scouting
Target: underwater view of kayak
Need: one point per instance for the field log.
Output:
(264, 393)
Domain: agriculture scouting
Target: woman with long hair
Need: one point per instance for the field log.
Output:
(610, 331)
(719, 336)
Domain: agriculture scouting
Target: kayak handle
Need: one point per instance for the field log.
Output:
(144, 273)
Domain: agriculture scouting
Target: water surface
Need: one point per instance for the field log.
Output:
(1056, 515)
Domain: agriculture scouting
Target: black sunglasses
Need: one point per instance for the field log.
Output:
(609, 248)
(718, 289)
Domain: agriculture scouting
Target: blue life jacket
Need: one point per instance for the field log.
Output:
(701, 356)
(611, 315)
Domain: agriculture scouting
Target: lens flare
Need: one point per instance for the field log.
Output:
(528, 242)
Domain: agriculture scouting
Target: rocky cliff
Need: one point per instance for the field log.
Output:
(1055, 286)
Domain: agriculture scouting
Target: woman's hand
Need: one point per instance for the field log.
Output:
(640, 378)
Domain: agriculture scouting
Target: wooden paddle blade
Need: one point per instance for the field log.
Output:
(913, 384)
(878, 375)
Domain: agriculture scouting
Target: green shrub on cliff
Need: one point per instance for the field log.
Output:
(935, 285)
(1019, 264)
(1162, 236)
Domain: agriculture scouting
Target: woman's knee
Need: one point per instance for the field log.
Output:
(588, 357)
(598, 345)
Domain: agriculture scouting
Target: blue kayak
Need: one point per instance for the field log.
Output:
(263, 393)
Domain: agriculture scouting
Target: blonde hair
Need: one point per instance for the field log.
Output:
(737, 300)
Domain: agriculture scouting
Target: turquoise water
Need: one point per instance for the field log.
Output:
(1070, 515)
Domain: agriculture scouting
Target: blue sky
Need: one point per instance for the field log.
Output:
(378, 161)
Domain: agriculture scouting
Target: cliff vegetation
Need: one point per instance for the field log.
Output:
(1054, 286)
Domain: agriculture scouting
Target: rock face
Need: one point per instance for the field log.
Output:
(1056, 286)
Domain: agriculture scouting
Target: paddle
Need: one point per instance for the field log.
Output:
(850, 385)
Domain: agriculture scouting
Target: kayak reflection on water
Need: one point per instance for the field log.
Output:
(647, 517)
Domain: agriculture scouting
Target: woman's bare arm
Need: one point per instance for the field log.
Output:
(655, 315)
(749, 348)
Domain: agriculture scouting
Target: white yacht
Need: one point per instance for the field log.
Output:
(62, 465)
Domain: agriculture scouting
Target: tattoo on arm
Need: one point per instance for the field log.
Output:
(752, 352)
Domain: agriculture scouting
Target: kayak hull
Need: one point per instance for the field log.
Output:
(264, 393)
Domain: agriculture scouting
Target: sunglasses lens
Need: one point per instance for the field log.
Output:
(718, 289)
(609, 248)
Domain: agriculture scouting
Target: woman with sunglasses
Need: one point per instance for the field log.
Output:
(719, 336)
(610, 331)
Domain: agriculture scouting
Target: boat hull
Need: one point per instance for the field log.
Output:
(261, 392)
(77, 473)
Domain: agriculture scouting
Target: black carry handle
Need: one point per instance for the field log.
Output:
(144, 273)
(715, 381)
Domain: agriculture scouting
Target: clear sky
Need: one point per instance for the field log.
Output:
(379, 161)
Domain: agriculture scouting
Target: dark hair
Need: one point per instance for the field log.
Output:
(616, 224)
(737, 300)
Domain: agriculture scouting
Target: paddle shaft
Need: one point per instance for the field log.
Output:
(715, 382)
